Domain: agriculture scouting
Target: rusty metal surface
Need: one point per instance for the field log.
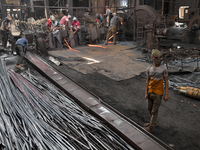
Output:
(138, 138)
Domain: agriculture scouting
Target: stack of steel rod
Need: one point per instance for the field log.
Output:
(36, 115)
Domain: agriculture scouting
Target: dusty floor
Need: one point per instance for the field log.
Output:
(178, 121)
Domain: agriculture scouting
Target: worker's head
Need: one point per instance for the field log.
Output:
(52, 18)
(156, 55)
(74, 19)
(97, 16)
(106, 7)
(114, 14)
(69, 16)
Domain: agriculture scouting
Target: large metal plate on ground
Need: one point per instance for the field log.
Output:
(117, 62)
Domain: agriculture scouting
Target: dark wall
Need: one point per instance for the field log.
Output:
(150, 3)
(81, 3)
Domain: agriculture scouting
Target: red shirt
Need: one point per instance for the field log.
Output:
(49, 23)
(63, 21)
(75, 25)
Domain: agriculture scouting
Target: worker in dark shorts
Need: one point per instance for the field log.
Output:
(113, 28)
(154, 88)
(21, 47)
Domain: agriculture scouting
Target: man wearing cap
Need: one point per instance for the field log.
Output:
(107, 14)
(5, 31)
(64, 22)
(75, 27)
(156, 74)
(113, 28)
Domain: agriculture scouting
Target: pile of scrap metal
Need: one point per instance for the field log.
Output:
(35, 33)
(30, 24)
(20, 25)
(40, 21)
(36, 115)
(181, 59)
(180, 53)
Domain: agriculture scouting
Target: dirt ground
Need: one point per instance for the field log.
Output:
(178, 120)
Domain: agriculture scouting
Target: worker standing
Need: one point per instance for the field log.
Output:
(107, 14)
(75, 27)
(154, 87)
(49, 22)
(98, 19)
(113, 28)
(21, 47)
(55, 28)
(64, 22)
(5, 31)
(49, 36)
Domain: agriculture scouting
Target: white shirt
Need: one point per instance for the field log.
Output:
(55, 25)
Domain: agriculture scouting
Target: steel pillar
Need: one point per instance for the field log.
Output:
(70, 4)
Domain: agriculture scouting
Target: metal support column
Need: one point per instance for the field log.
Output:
(162, 7)
(45, 8)
(70, 4)
(4, 9)
(31, 4)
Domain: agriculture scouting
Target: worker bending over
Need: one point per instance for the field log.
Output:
(21, 47)
(75, 27)
(64, 22)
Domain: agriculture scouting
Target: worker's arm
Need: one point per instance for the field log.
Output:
(147, 84)
(26, 44)
(107, 12)
(121, 20)
(166, 97)
(5, 27)
(72, 25)
(78, 25)
(59, 27)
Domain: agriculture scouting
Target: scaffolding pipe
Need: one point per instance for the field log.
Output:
(162, 7)
(31, 3)
(45, 10)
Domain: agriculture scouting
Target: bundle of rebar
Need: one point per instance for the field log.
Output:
(34, 114)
